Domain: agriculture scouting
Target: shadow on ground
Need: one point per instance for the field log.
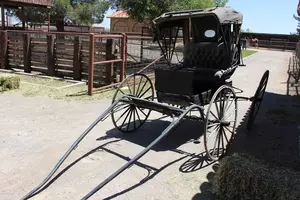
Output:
(275, 135)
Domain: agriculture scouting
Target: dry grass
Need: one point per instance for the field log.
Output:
(243, 177)
(9, 82)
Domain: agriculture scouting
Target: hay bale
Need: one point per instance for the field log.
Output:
(243, 177)
(9, 82)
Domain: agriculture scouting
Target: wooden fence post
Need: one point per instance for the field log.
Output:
(50, 55)
(77, 59)
(26, 53)
(110, 48)
(123, 57)
(4, 50)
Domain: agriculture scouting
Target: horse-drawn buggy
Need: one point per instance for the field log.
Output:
(198, 87)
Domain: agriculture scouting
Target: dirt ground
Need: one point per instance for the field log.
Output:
(36, 131)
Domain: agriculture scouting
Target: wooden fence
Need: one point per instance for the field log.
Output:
(273, 43)
(57, 55)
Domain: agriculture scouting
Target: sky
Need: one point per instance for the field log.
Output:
(263, 16)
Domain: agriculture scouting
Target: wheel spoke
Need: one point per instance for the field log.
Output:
(119, 108)
(134, 126)
(126, 117)
(131, 111)
(141, 111)
(216, 104)
(210, 125)
(139, 86)
(138, 116)
(228, 130)
(127, 110)
(128, 86)
(216, 129)
(134, 85)
(144, 92)
(225, 136)
(214, 116)
(142, 89)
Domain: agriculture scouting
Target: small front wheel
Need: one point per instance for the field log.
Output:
(220, 122)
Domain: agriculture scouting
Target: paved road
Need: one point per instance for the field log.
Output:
(35, 132)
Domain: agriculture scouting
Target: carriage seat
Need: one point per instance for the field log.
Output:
(206, 58)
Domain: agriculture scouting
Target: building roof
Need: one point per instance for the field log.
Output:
(47, 3)
(119, 14)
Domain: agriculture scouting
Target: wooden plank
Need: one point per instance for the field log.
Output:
(15, 47)
(15, 52)
(98, 47)
(15, 40)
(64, 48)
(63, 67)
(15, 56)
(39, 59)
(39, 65)
(38, 69)
(43, 40)
(64, 73)
(43, 46)
(40, 54)
(65, 62)
(14, 60)
(68, 53)
(18, 43)
(97, 58)
(39, 50)
(64, 41)
(62, 56)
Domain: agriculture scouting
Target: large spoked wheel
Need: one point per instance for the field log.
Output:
(129, 117)
(257, 99)
(220, 122)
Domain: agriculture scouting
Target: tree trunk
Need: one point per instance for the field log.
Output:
(59, 23)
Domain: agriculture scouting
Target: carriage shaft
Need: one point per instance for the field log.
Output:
(142, 153)
(74, 146)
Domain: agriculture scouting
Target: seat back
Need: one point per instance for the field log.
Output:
(211, 55)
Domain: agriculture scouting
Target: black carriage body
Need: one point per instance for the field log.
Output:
(211, 53)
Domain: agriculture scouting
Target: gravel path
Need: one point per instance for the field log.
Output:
(35, 133)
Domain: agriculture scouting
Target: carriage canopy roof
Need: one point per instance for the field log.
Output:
(225, 15)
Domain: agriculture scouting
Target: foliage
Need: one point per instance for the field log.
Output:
(79, 12)
(298, 27)
(149, 9)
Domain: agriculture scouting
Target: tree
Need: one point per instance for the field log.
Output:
(149, 9)
(298, 27)
(79, 12)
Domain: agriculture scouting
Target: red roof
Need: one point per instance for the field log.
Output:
(119, 14)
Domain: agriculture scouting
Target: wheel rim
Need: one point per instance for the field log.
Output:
(257, 99)
(129, 117)
(220, 122)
